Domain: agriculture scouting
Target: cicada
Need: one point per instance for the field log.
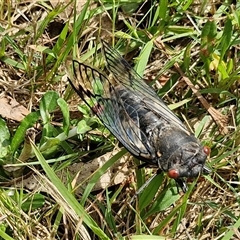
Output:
(138, 117)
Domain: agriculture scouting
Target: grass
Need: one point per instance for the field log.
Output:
(188, 51)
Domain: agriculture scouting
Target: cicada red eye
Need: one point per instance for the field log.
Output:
(207, 150)
(173, 173)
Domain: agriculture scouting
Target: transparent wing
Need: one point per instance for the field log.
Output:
(125, 75)
(108, 102)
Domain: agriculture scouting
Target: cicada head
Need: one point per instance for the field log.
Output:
(188, 161)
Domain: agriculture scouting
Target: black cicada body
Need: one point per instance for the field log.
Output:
(138, 118)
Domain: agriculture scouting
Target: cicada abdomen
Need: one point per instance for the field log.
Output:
(138, 118)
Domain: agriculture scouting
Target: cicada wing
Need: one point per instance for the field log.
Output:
(125, 75)
(95, 89)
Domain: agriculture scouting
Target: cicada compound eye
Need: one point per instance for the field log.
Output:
(207, 150)
(173, 173)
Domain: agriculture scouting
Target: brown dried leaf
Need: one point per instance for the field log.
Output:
(82, 172)
(218, 117)
(11, 109)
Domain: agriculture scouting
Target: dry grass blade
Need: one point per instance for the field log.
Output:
(220, 119)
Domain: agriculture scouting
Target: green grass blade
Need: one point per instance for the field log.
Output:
(68, 197)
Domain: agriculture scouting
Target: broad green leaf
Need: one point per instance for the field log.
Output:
(83, 127)
(32, 202)
(163, 9)
(143, 58)
(48, 103)
(150, 191)
(165, 199)
(4, 140)
(26, 123)
(226, 37)
(66, 116)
